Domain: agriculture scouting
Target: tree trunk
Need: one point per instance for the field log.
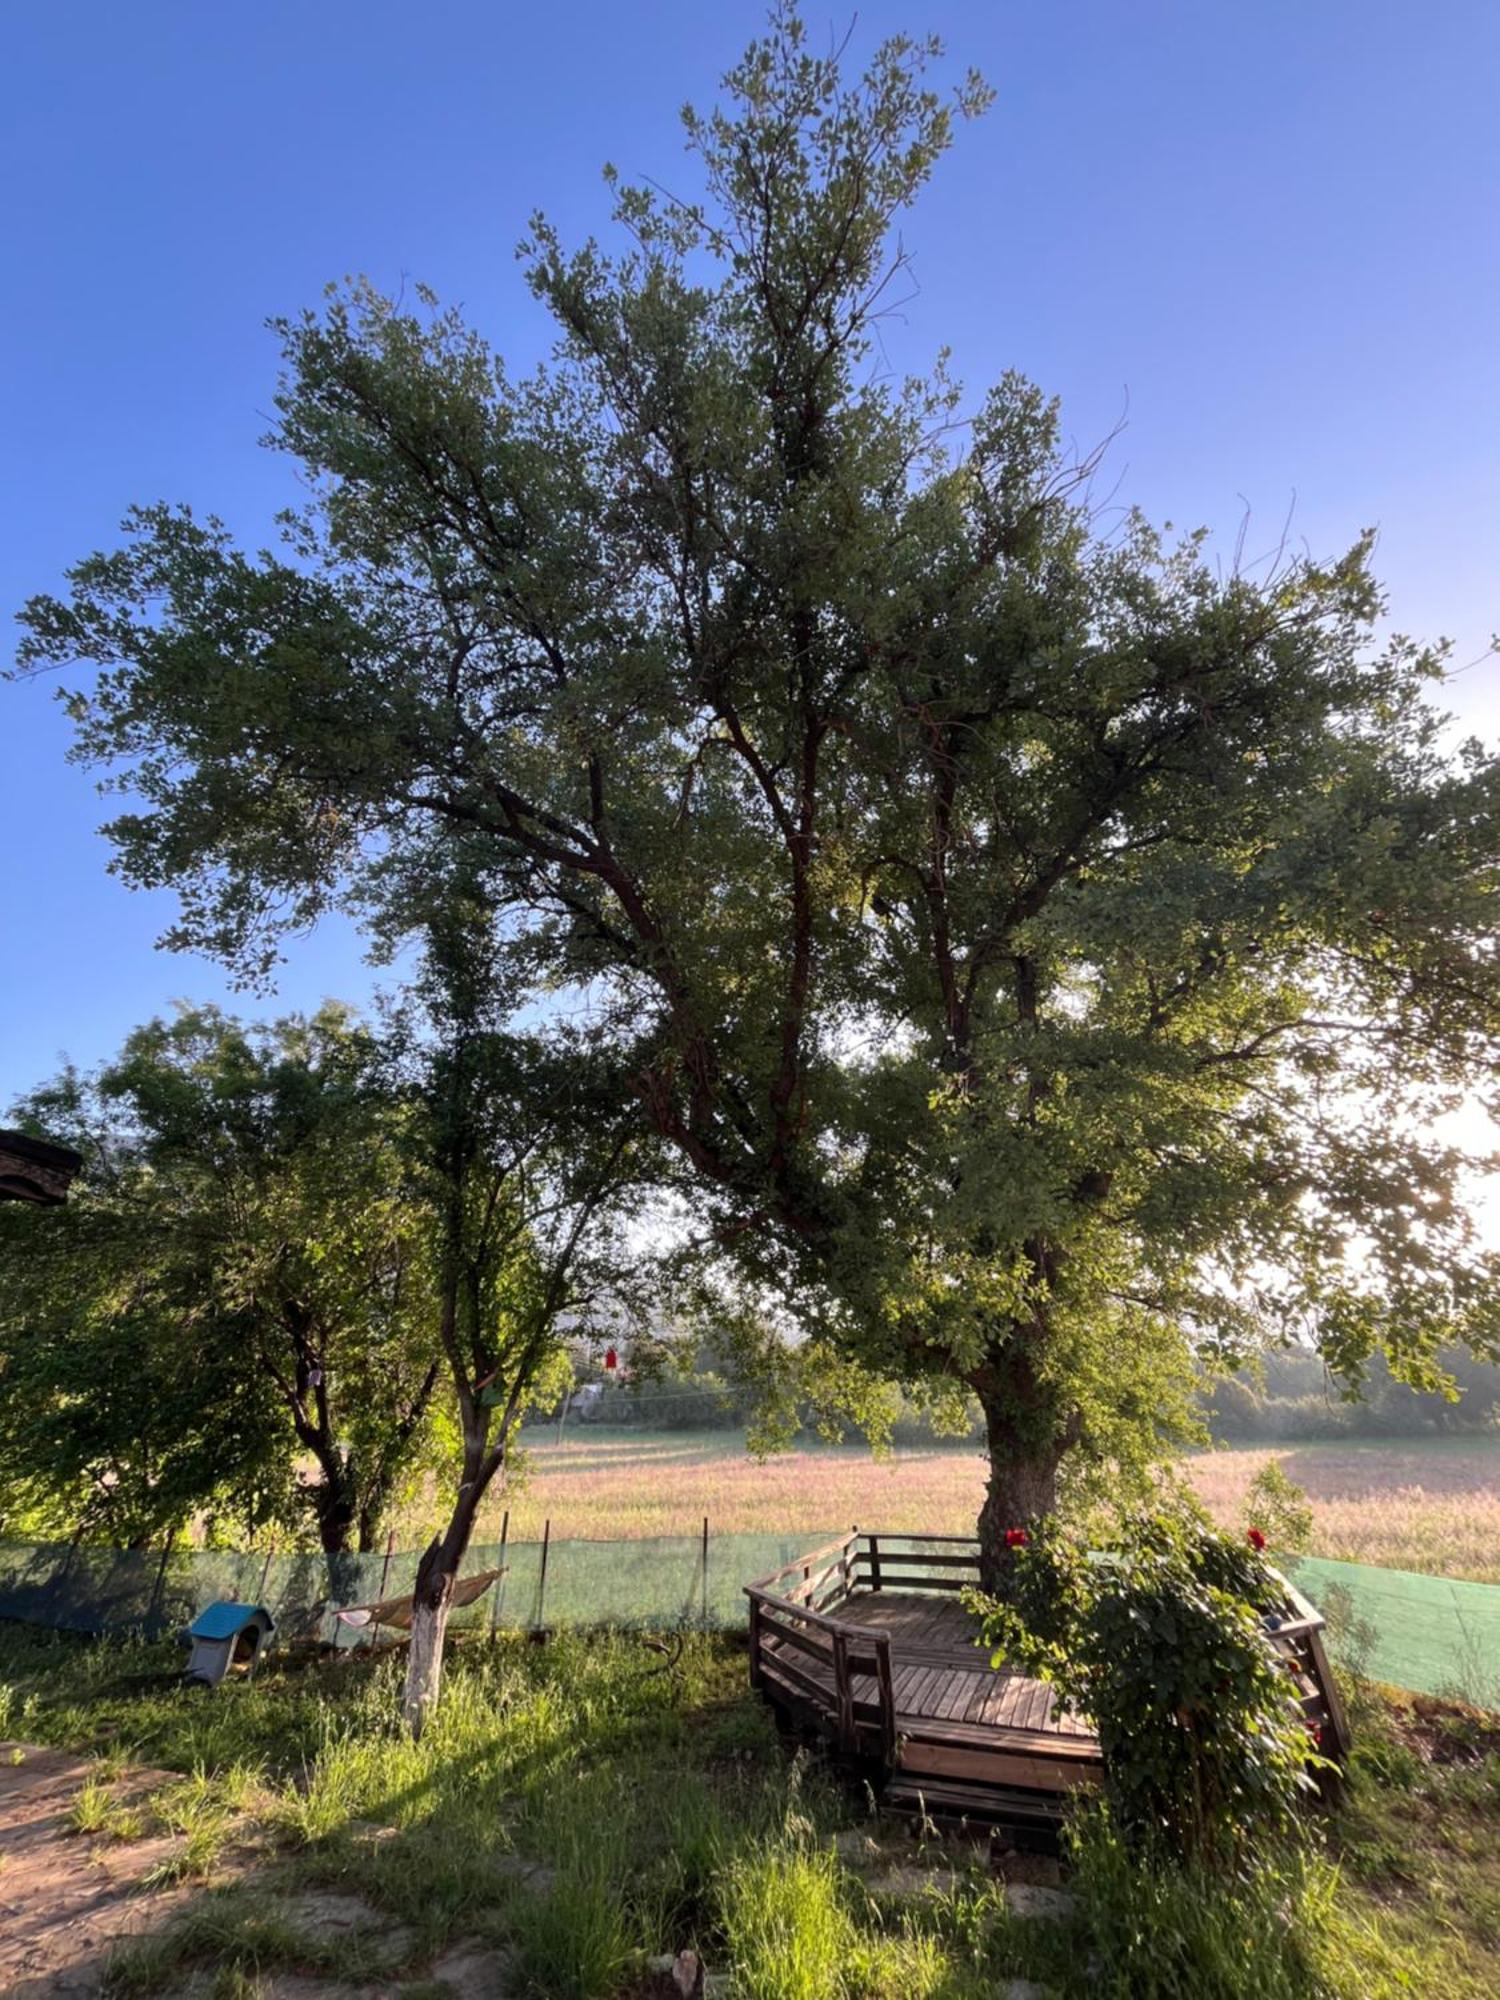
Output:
(429, 1631)
(334, 1510)
(437, 1573)
(1027, 1440)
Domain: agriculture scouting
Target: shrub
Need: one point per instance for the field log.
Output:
(1158, 1638)
(1278, 1509)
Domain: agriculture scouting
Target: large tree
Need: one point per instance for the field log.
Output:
(1036, 940)
(236, 1311)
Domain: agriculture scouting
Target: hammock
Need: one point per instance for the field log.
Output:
(396, 1611)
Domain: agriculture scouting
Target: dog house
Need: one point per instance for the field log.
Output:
(227, 1635)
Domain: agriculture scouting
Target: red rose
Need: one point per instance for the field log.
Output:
(1256, 1539)
(1016, 1538)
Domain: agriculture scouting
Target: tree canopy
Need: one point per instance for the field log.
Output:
(236, 1311)
(1039, 940)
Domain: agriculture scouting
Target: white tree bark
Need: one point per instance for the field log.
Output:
(424, 1662)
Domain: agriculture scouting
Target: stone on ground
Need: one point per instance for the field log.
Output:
(473, 1972)
(1029, 1899)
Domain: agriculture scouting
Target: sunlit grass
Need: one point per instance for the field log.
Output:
(97, 1812)
(579, 1810)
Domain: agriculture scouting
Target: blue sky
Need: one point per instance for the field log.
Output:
(1272, 228)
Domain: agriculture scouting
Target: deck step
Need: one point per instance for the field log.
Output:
(1031, 1819)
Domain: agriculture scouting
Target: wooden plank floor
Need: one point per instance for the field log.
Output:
(939, 1674)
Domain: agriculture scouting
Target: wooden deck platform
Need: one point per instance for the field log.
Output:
(866, 1645)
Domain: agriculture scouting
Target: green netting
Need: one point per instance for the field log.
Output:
(661, 1581)
(109, 1590)
(1431, 1634)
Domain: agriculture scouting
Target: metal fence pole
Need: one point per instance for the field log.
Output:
(67, 1568)
(385, 1570)
(705, 1572)
(539, 1630)
(161, 1577)
(499, 1597)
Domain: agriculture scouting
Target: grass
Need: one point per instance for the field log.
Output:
(1428, 1504)
(786, 1904)
(1417, 1839)
(580, 1809)
(96, 1811)
(243, 1934)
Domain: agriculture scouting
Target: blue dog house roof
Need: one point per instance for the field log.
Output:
(225, 1620)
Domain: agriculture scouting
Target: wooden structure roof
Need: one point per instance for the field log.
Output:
(35, 1170)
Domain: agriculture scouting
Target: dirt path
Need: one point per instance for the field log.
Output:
(65, 1897)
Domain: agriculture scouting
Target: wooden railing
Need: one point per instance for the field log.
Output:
(817, 1658)
(789, 1643)
(816, 1580)
(1299, 1639)
(880, 1564)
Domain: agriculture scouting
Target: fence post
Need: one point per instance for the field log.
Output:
(539, 1630)
(265, 1571)
(843, 1688)
(705, 1572)
(161, 1576)
(755, 1673)
(499, 1597)
(887, 1697)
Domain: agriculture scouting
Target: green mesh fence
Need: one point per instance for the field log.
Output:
(661, 1581)
(1432, 1634)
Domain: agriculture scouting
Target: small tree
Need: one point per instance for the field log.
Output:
(1036, 941)
(123, 1409)
(524, 1155)
(241, 1285)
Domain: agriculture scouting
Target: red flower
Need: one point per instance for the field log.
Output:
(1016, 1538)
(1256, 1539)
(611, 1359)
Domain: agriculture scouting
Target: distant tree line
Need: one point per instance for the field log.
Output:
(1290, 1396)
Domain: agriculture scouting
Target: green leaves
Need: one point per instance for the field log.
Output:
(1157, 1636)
(235, 1314)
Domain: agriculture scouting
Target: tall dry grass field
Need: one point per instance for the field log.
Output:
(1429, 1504)
(1423, 1504)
